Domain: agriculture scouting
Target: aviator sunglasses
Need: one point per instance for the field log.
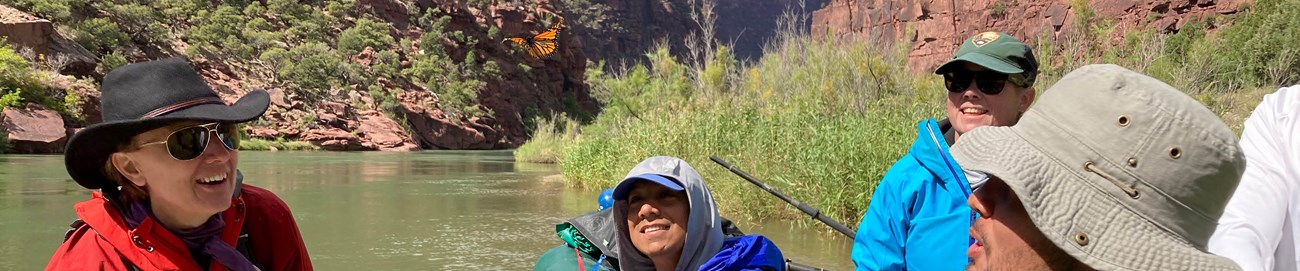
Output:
(190, 142)
(988, 82)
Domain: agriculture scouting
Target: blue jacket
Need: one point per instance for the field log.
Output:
(918, 218)
(749, 252)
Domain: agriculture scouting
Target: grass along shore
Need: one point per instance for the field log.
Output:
(823, 120)
(279, 144)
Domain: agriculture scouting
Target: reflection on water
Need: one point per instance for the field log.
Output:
(373, 210)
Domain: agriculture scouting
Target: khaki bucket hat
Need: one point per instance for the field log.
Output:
(1118, 169)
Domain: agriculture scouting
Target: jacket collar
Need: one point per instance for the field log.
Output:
(931, 150)
(150, 245)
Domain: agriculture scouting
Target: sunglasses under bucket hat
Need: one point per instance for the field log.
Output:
(1118, 169)
(143, 96)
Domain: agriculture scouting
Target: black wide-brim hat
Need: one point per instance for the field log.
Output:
(143, 96)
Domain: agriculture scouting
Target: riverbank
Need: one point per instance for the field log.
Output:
(279, 144)
(822, 120)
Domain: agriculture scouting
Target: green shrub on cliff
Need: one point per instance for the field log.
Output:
(340, 8)
(216, 31)
(1254, 48)
(143, 22)
(1260, 45)
(306, 46)
(111, 61)
(312, 68)
(456, 83)
(21, 83)
(10, 97)
(1227, 62)
(17, 81)
(99, 34)
(54, 10)
(366, 33)
(14, 69)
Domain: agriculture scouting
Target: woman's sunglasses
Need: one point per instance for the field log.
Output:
(190, 142)
(988, 82)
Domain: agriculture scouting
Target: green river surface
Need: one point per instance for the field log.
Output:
(432, 210)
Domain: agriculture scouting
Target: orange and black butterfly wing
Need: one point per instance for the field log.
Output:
(520, 41)
(544, 43)
(550, 34)
(542, 48)
(529, 44)
(540, 45)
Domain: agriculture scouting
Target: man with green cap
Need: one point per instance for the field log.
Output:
(918, 218)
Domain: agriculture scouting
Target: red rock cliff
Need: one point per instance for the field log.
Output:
(935, 28)
(349, 119)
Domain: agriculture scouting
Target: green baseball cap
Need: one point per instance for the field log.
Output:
(996, 51)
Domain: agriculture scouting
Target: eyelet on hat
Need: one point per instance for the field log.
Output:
(1130, 190)
(1081, 238)
(1175, 152)
(1132, 162)
(1123, 121)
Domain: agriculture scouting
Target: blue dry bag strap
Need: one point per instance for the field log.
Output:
(597, 267)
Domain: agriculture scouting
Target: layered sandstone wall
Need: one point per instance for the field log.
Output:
(934, 29)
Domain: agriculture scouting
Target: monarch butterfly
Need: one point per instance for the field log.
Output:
(542, 44)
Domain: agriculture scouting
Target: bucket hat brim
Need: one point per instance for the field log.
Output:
(1064, 205)
(88, 150)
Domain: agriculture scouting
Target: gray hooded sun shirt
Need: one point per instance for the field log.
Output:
(703, 230)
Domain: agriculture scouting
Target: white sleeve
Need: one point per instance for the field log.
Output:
(1251, 227)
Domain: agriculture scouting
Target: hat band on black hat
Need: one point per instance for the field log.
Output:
(177, 106)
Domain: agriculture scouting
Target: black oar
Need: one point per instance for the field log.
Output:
(802, 207)
(799, 267)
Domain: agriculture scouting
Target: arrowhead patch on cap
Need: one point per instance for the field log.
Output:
(985, 38)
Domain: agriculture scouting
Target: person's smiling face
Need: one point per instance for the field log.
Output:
(183, 193)
(971, 108)
(657, 218)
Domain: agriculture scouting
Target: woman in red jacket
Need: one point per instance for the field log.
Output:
(169, 195)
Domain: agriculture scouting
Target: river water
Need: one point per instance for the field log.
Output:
(444, 210)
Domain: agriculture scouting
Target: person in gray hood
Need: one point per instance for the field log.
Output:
(673, 224)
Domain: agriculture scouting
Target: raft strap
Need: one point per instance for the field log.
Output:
(578, 254)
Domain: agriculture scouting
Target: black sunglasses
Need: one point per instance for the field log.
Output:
(190, 142)
(988, 82)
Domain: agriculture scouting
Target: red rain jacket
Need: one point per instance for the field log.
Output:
(105, 243)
